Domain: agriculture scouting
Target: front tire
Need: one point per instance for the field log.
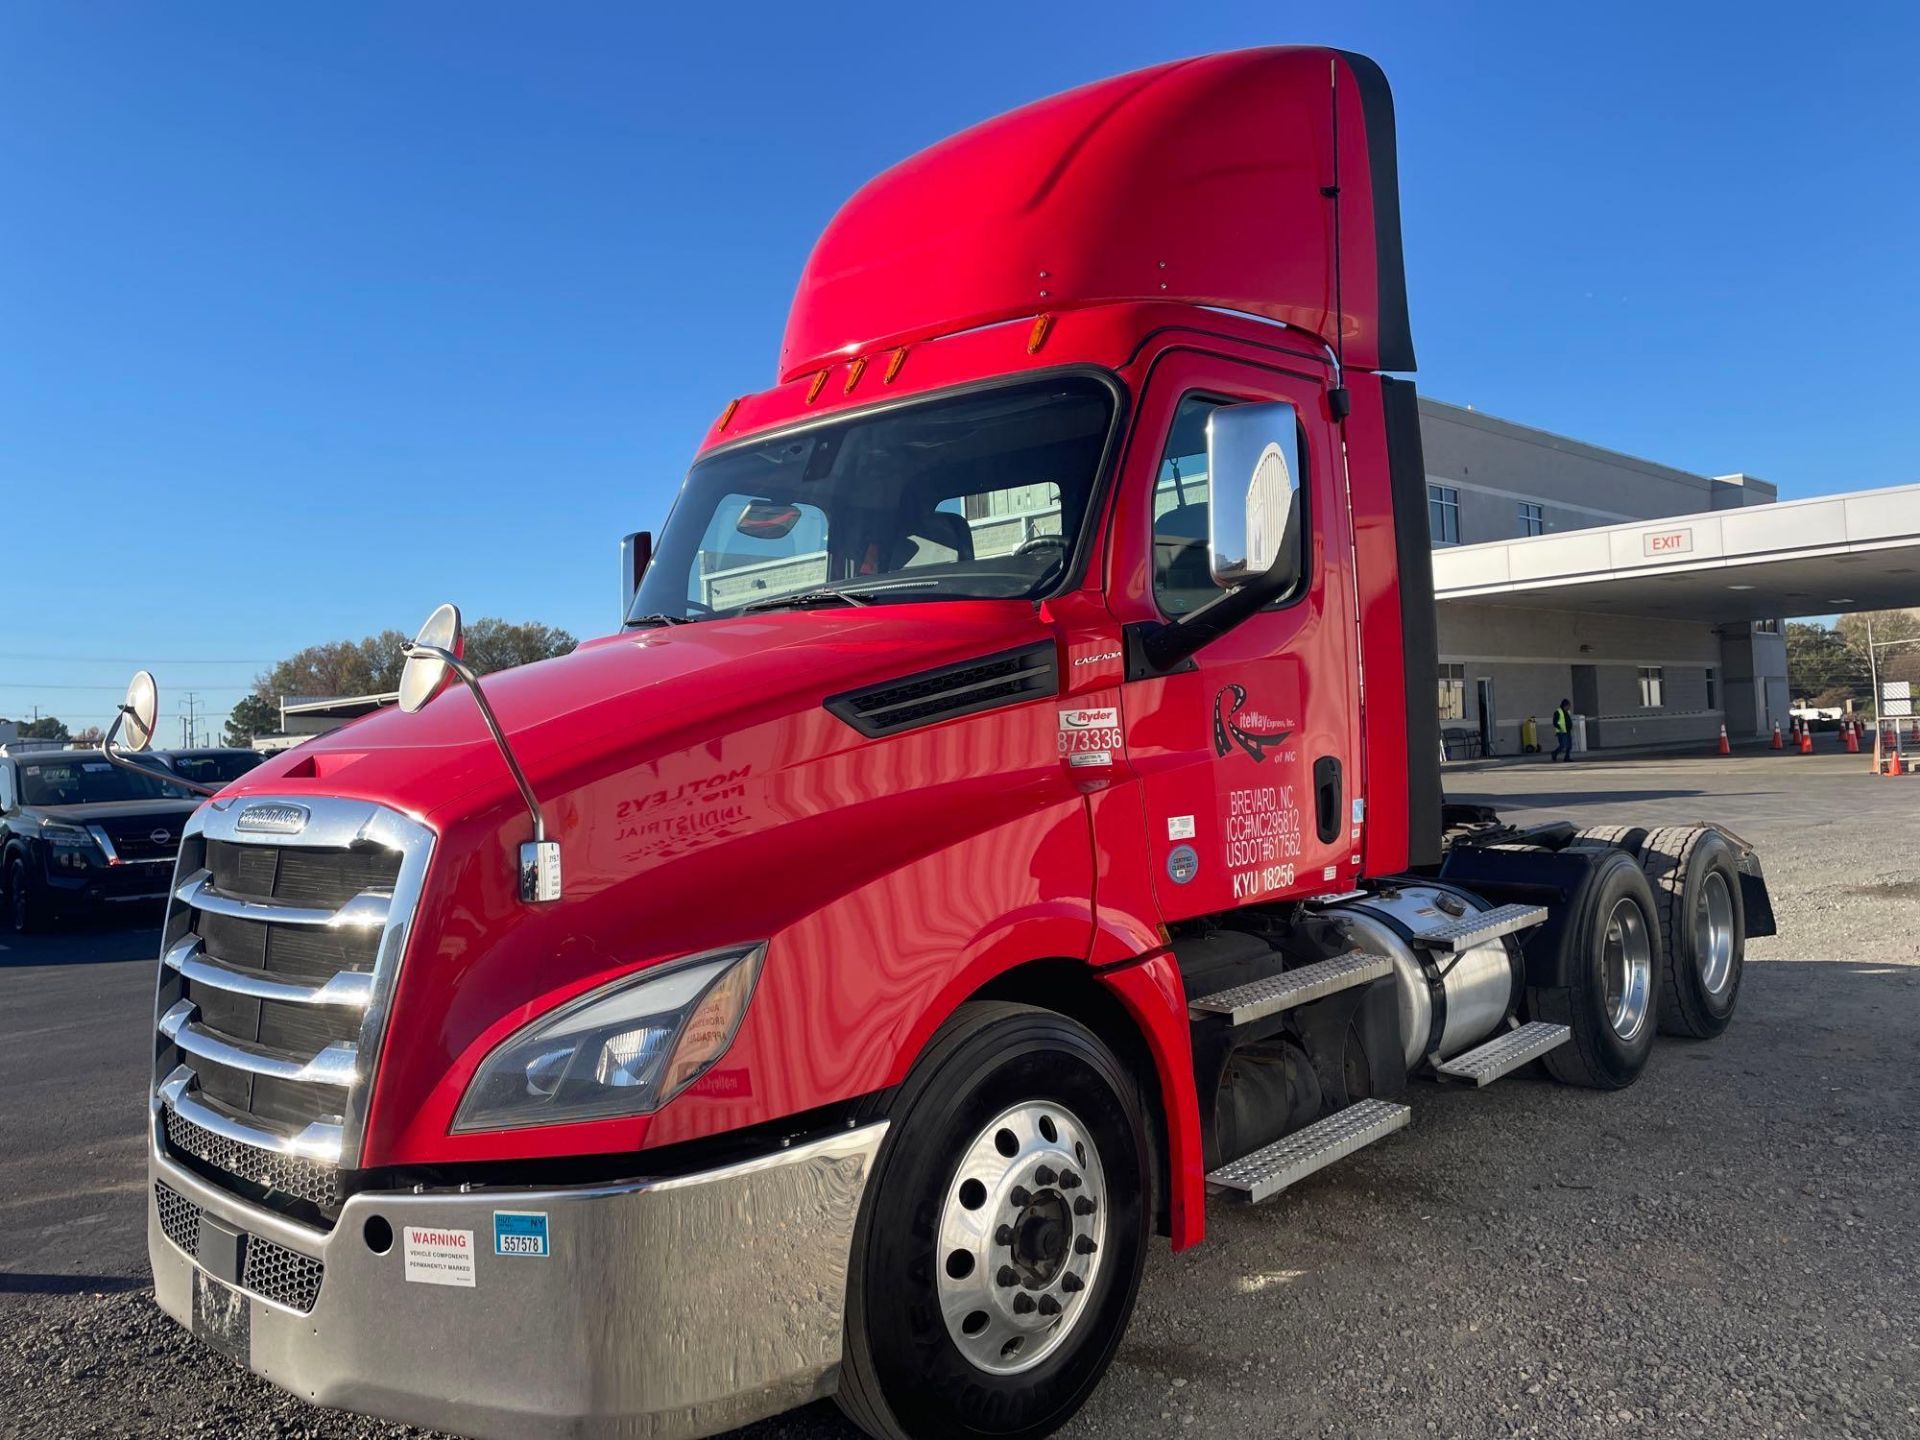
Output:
(26, 911)
(1002, 1239)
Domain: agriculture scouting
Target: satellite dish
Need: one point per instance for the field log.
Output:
(427, 672)
(141, 711)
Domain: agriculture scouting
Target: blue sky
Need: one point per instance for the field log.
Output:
(314, 316)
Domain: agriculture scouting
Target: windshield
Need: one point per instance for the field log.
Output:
(88, 782)
(976, 496)
(217, 768)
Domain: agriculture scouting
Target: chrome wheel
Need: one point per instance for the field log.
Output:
(1627, 966)
(1713, 934)
(1021, 1237)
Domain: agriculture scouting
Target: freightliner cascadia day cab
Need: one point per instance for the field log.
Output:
(1008, 814)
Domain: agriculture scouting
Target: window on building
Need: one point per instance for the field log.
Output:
(1453, 692)
(1653, 687)
(1766, 627)
(1713, 688)
(1443, 514)
(1532, 521)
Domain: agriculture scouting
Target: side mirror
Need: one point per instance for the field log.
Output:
(426, 672)
(636, 553)
(1253, 531)
(1253, 491)
(140, 711)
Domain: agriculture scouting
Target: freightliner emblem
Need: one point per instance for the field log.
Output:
(273, 819)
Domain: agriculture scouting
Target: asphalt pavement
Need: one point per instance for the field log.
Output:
(1731, 1248)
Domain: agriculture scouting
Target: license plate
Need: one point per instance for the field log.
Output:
(222, 1318)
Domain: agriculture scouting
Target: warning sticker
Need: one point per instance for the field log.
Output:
(1088, 737)
(439, 1257)
(1180, 827)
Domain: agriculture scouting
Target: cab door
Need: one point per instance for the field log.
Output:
(1247, 753)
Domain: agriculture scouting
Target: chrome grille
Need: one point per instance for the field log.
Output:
(277, 965)
(312, 1181)
(179, 1218)
(271, 1271)
(281, 1275)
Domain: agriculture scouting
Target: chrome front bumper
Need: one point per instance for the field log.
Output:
(667, 1309)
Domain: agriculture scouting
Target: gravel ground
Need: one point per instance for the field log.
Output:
(1728, 1249)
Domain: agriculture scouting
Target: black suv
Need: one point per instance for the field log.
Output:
(78, 832)
(207, 765)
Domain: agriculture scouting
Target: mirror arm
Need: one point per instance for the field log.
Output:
(461, 668)
(107, 749)
(1170, 644)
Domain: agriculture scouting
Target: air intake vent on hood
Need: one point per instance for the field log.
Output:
(935, 695)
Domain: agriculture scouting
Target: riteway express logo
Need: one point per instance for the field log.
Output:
(1257, 735)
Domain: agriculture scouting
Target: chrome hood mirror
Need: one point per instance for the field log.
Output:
(136, 720)
(436, 648)
(140, 711)
(434, 660)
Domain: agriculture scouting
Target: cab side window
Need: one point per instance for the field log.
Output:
(6, 788)
(1182, 576)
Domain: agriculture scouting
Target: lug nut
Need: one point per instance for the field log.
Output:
(1069, 1180)
(1023, 1304)
(1008, 1276)
(1083, 1245)
(1083, 1205)
(1045, 1175)
(1021, 1197)
(1049, 1306)
(1004, 1235)
(1072, 1283)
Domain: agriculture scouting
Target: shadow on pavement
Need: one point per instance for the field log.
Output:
(13, 1282)
(83, 943)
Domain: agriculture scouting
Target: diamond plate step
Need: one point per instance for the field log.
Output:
(1272, 1168)
(1487, 1063)
(1479, 926)
(1244, 1004)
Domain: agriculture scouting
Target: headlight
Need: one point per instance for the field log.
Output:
(69, 847)
(624, 1049)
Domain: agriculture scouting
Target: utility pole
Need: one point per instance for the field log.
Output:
(186, 721)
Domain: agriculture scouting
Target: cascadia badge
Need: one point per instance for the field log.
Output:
(273, 819)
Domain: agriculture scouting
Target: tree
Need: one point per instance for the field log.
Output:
(88, 738)
(372, 666)
(47, 727)
(252, 716)
(1820, 664)
(1896, 662)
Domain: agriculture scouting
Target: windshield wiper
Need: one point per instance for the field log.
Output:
(806, 597)
(657, 620)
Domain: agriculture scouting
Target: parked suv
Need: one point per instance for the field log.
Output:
(208, 765)
(78, 833)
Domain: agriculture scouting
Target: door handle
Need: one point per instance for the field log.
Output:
(1326, 798)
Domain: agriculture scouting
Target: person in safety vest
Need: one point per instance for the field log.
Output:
(1563, 731)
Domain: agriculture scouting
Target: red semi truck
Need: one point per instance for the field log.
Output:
(1008, 813)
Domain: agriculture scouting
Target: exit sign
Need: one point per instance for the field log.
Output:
(1669, 542)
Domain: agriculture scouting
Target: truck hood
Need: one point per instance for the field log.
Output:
(623, 700)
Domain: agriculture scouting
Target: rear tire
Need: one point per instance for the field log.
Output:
(1703, 931)
(1620, 837)
(970, 1312)
(1611, 1005)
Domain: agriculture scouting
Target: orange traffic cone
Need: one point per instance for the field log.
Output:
(1776, 736)
(1725, 749)
(1852, 739)
(1806, 740)
(1893, 764)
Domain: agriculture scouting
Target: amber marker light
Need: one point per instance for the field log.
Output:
(893, 365)
(1037, 336)
(854, 372)
(819, 384)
